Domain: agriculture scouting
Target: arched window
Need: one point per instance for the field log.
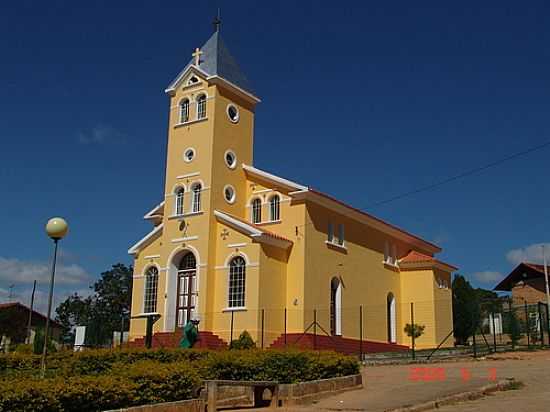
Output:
(196, 200)
(335, 307)
(257, 210)
(187, 289)
(392, 329)
(201, 107)
(151, 284)
(237, 280)
(274, 208)
(180, 192)
(184, 111)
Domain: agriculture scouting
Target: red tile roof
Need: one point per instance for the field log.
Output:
(416, 257)
(373, 217)
(521, 272)
(26, 308)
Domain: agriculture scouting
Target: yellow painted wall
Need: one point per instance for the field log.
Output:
(297, 279)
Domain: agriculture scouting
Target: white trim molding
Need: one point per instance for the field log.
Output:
(184, 239)
(146, 240)
(232, 245)
(188, 175)
(154, 212)
(256, 234)
(272, 178)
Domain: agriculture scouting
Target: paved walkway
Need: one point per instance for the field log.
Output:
(389, 387)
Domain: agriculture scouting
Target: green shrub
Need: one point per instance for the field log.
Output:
(109, 379)
(38, 343)
(281, 366)
(24, 348)
(142, 383)
(415, 330)
(245, 341)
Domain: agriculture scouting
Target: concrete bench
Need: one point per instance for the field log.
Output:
(259, 387)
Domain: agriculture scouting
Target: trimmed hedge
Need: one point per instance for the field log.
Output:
(103, 379)
(97, 361)
(143, 382)
(282, 366)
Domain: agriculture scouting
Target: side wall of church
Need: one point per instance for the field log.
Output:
(367, 280)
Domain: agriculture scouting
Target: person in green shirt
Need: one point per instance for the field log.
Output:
(190, 334)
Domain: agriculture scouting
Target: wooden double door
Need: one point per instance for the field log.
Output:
(187, 290)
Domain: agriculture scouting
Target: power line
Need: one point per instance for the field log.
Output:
(466, 173)
(459, 176)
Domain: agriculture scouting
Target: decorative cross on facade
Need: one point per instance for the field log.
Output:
(197, 56)
(225, 234)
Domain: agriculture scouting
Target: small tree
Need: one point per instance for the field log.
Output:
(415, 330)
(515, 328)
(245, 341)
(38, 343)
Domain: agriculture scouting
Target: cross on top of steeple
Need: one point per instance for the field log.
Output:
(197, 55)
(217, 22)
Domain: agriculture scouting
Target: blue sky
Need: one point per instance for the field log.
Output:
(363, 101)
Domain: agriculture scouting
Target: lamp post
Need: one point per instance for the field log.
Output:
(547, 288)
(56, 228)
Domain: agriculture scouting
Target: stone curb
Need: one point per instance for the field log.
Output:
(459, 397)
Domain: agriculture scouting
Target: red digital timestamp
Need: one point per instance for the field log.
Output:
(439, 374)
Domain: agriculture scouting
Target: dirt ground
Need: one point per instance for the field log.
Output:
(389, 387)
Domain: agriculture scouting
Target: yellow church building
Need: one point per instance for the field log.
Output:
(240, 248)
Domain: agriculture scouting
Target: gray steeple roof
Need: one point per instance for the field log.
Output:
(216, 60)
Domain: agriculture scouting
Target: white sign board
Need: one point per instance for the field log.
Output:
(80, 335)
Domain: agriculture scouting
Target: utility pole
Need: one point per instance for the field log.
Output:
(547, 289)
(30, 314)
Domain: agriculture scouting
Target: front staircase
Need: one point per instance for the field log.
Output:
(207, 340)
(335, 343)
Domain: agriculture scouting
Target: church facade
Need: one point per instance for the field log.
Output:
(240, 248)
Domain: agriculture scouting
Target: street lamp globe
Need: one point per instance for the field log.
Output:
(57, 228)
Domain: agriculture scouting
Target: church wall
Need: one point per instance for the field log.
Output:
(272, 291)
(141, 264)
(432, 305)
(292, 217)
(220, 315)
(367, 280)
(443, 298)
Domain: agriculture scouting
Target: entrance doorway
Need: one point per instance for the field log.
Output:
(187, 289)
(392, 330)
(335, 307)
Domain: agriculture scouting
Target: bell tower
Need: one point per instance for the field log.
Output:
(210, 136)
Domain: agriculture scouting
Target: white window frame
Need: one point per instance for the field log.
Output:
(150, 291)
(236, 299)
(237, 116)
(196, 197)
(184, 114)
(189, 150)
(179, 199)
(330, 232)
(232, 199)
(254, 209)
(341, 234)
(275, 208)
(232, 165)
(201, 106)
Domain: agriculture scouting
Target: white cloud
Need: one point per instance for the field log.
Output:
(531, 254)
(18, 271)
(488, 276)
(99, 135)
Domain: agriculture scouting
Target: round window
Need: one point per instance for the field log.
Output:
(233, 113)
(229, 194)
(189, 154)
(230, 159)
